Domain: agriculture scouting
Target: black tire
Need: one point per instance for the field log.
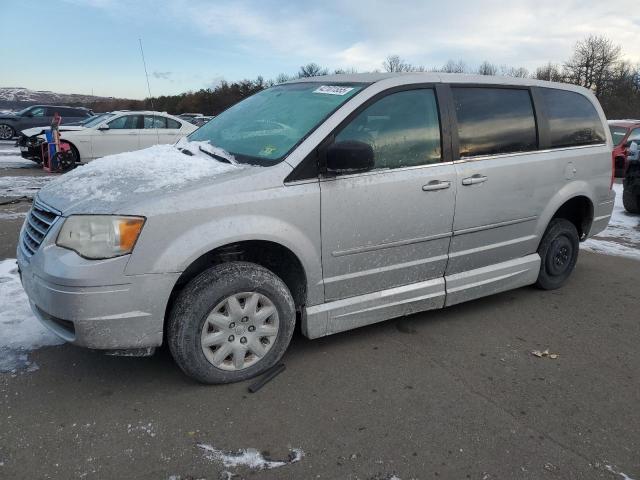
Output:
(200, 297)
(630, 200)
(7, 132)
(558, 251)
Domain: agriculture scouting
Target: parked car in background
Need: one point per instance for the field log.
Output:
(199, 121)
(335, 201)
(38, 116)
(187, 116)
(631, 183)
(115, 132)
(623, 132)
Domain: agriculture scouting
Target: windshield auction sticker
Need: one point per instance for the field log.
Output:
(333, 90)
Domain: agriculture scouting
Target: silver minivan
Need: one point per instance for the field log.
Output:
(340, 201)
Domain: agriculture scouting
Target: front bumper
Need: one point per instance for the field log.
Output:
(92, 303)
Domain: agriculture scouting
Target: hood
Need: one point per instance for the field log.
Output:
(8, 116)
(29, 132)
(111, 183)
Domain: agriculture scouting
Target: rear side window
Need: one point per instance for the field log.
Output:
(403, 129)
(153, 121)
(494, 120)
(573, 120)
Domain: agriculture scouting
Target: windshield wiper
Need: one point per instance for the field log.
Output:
(217, 157)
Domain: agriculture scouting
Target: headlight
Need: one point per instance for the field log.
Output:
(100, 236)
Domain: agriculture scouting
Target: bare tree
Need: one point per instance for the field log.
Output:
(520, 72)
(393, 63)
(487, 68)
(454, 67)
(349, 70)
(550, 72)
(312, 70)
(592, 63)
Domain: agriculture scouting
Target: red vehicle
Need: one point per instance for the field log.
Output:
(623, 132)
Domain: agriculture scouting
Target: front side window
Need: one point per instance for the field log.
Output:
(617, 134)
(38, 112)
(126, 122)
(403, 129)
(265, 127)
(573, 120)
(494, 121)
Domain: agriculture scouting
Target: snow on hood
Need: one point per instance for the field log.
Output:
(39, 130)
(114, 178)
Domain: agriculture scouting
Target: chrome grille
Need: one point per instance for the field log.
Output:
(36, 227)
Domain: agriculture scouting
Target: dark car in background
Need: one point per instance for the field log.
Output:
(623, 132)
(38, 116)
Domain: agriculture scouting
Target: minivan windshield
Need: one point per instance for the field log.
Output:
(265, 127)
(617, 135)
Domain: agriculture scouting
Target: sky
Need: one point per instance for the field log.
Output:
(91, 46)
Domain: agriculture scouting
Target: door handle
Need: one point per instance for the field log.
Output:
(477, 178)
(436, 185)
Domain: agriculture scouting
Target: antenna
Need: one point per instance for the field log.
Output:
(144, 63)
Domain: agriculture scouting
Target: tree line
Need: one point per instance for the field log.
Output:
(596, 63)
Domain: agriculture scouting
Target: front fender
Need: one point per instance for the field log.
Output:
(155, 255)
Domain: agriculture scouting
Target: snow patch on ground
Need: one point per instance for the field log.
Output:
(250, 458)
(622, 236)
(616, 472)
(22, 186)
(161, 167)
(15, 161)
(20, 331)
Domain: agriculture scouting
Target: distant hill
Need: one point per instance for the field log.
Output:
(18, 97)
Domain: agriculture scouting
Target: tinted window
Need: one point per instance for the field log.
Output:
(494, 120)
(572, 118)
(171, 123)
(403, 129)
(126, 122)
(152, 121)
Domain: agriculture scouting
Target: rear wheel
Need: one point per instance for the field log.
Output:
(231, 323)
(630, 200)
(558, 251)
(6, 132)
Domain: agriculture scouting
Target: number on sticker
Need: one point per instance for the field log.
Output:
(333, 90)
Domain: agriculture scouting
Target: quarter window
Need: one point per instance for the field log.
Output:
(494, 120)
(171, 123)
(403, 129)
(572, 118)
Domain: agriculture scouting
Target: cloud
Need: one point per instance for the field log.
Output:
(361, 33)
(162, 75)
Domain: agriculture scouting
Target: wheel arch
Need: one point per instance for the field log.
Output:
(578, 208)
(271, 255)
(74, 147)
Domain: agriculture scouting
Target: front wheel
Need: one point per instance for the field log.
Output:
(630, 200)
(558, 251)
(6, 132)
(230, 323)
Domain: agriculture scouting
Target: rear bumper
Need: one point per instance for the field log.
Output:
(125, 312)
(602, 215)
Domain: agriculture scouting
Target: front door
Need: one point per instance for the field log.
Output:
(390, 226)
(122, 136)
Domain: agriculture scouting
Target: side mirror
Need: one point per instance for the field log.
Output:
(103, 127)
(350, 156)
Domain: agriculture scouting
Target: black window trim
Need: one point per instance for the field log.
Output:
(309, 167)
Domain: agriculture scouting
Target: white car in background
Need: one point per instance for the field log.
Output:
(111, 133)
